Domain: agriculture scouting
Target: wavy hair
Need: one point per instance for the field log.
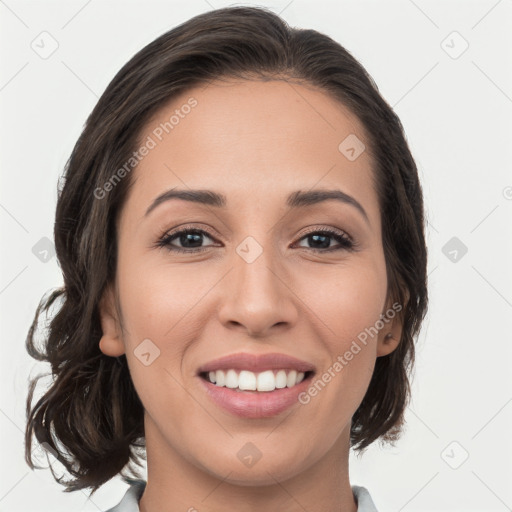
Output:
(90, 416)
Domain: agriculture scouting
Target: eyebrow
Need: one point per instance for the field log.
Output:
(297, 199)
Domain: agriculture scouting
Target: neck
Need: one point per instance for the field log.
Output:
(175, 483)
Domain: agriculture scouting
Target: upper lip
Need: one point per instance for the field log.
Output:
(256, 362)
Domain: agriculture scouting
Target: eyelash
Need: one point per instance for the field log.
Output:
(345, 242)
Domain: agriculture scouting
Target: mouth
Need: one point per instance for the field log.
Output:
(255, 386)
(263, 382)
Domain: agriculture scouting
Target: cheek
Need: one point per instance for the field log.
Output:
(157, 305)
(347, 300)
(346, 304)
(157, 300)
(349, 304)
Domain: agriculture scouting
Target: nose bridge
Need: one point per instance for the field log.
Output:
(257, 297)
(254, 264)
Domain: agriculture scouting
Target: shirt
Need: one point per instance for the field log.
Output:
(130, 501)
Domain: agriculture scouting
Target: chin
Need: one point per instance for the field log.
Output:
(266, 470)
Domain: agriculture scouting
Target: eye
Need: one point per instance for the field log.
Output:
(321, 239)
(190, 240)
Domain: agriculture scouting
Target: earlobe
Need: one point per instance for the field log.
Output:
(390, 336)
(387, 344)
(111, 342)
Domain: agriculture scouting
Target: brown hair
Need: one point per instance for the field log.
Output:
(92, 408)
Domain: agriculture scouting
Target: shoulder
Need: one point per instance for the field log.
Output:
(130, 500)
(363, 498)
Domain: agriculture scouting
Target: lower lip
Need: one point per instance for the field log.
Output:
(255, 404)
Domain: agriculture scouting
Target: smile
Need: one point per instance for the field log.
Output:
(245, 380)
(255, 385)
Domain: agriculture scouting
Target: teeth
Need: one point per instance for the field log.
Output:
(281, 379)
(250, 381)
(231, 379)
(266, 381)
(291, 379)
(246, 380)
(220, 378)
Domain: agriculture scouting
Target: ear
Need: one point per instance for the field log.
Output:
(111, 342)
(391, 334)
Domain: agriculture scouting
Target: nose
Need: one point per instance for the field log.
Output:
(258, 298)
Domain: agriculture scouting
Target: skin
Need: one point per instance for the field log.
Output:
(255, 142)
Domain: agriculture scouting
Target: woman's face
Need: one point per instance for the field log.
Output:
(260, 277)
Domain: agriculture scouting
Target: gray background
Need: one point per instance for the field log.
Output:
(456, 107)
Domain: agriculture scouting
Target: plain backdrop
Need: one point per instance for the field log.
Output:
(445, 66)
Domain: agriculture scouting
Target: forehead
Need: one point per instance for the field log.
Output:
(254, 141)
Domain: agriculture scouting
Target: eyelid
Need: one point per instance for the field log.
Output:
(344, 239)
(162, 241)
(208, 230)
(316, 229)
(190, 227)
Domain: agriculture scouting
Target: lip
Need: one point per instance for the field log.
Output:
(256, 404)
(257, 363)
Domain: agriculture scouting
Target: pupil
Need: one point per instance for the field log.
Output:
(185, 239)
(317, 237)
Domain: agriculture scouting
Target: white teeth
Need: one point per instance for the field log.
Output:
(291, 379)
(246, 380)
(250, 381)
(220, 378)
(231, 379)
(281, 379)
(266, 381)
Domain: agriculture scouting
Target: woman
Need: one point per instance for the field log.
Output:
(241, 235)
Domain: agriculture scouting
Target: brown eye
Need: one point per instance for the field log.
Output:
(320, 240)
(190, 240)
